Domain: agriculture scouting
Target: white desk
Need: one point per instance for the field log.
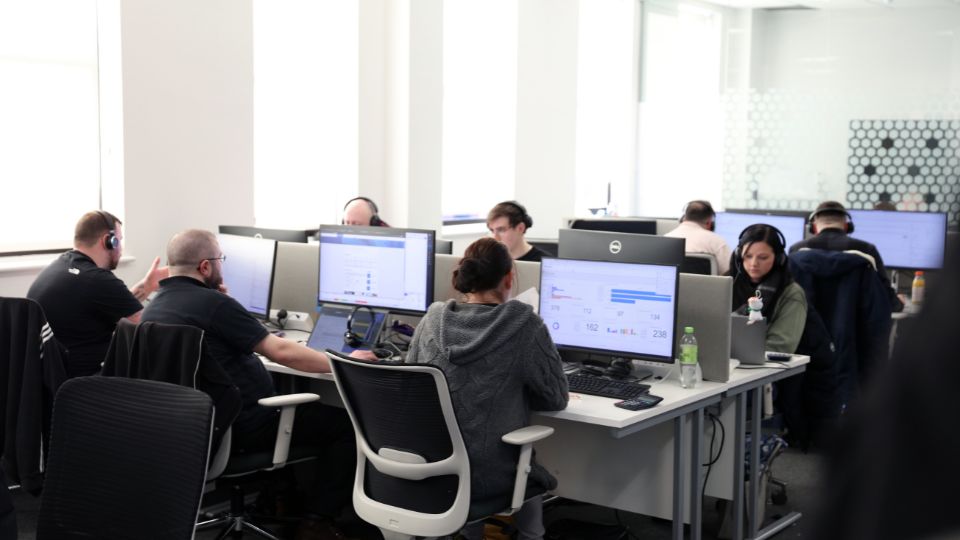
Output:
(599, 455)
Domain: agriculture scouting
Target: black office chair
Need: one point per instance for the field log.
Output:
(413, 472)
(699, 263)
(128, 459)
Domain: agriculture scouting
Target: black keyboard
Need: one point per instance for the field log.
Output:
(598, 386)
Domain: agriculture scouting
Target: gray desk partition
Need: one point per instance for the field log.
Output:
(705, 305)
(295, 277)
(528, 275)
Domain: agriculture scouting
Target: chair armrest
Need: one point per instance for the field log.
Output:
(524, 437)
(288, 404)
(288, 399)
(527, 435)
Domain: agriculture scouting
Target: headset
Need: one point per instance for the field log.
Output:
(375, 220)
(707, 207)
(829, 207)
(524, 216)
(353, 339)
(781, 257)
(111, 242)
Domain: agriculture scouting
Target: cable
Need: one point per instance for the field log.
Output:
(723, 438)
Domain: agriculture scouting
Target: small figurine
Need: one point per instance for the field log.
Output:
(754, 308)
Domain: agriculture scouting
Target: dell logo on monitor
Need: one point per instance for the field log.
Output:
(615, 247)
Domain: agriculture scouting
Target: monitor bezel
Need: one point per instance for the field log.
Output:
(622, 354)
(296, 236)
(893, 213)
(586, 221)
(383, 231)
(273, 271)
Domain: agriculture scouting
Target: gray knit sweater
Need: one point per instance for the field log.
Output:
(500, 364)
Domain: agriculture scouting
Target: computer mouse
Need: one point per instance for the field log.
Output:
(383, 354)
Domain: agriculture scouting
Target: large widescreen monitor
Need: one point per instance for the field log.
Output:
(729, 225)
(378, 267)
(914, 240)
(620, 247)
(612, 308)
(248, 271)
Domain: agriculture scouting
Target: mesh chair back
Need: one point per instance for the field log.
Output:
(404, 408)
(127, 459)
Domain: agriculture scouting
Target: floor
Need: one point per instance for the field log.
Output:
(569, 520)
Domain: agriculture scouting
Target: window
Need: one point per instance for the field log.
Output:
(50, 148)
(479, 105)
(306, 121)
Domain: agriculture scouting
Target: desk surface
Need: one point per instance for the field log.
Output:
(601, 411)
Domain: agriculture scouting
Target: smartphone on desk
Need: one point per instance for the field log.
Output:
(643, 401)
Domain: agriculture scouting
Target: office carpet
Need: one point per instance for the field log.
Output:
(802, 472)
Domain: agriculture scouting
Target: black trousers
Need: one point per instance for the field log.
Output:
(327, 428)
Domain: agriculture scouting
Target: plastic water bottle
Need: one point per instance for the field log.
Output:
(689, 367)
(916, 294)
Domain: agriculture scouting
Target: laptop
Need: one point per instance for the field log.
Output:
(332, 324)
(703, 302)
(748, 342)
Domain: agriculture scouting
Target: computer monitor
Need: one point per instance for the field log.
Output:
(282, 235)
(608, 246)
(914, 240)
(378, 267)
(248, 271)
(729, 225)
(615, 309)
(620, 225)
(444, 247)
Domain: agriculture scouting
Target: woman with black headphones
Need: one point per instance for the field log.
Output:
(760, 266)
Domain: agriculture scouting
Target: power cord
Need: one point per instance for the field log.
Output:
(709, 465)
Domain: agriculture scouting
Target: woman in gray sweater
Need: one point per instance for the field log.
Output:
(500, 364)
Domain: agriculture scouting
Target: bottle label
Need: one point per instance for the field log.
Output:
(688, 354)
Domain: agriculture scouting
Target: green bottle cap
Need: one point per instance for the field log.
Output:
(688, 330)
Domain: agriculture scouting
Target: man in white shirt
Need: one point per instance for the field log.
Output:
(696, 226)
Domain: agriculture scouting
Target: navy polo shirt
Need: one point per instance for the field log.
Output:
(83, 303)
(230, 334)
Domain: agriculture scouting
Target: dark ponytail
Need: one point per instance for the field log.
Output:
(483, 266)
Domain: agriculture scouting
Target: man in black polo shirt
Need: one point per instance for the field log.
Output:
(831, 223)
(81, 296)
(192, 295)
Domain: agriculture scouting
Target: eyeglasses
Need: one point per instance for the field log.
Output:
(500, 230)
(222, 259)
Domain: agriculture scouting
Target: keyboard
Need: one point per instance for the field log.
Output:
(598, 386)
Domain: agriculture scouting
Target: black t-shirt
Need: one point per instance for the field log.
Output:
(83, 303)
(534, 255)
(230, 334)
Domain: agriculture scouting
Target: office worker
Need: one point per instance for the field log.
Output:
(362, 211)
(81, 296)
(696, 226)
(191, 296)
(831, 224)
(760, 264)
(500, 363)
(508, 222)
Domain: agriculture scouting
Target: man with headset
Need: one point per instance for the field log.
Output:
(362, 211)
(831, 226)
(696, 226)
(508, 222)
(81, 296)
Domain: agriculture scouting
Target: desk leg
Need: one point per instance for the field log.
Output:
(755, 436)
(696, 476)
(739, 440)
(678, 444)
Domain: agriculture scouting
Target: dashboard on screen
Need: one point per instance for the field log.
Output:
(248, 270)
(613, 308)
(904, 239)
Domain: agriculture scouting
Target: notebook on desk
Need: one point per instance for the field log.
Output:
(748, 342)
(332, 324)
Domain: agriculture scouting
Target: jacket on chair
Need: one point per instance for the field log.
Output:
(33, 369)
(848, 294)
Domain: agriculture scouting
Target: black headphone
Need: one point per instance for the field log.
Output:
(355, 340)
(707, 207)
(111, 242)
(830, 208)
(375, 220)
(524, 217)
(781, 257)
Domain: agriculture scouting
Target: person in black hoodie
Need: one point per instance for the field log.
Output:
(500, 364)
